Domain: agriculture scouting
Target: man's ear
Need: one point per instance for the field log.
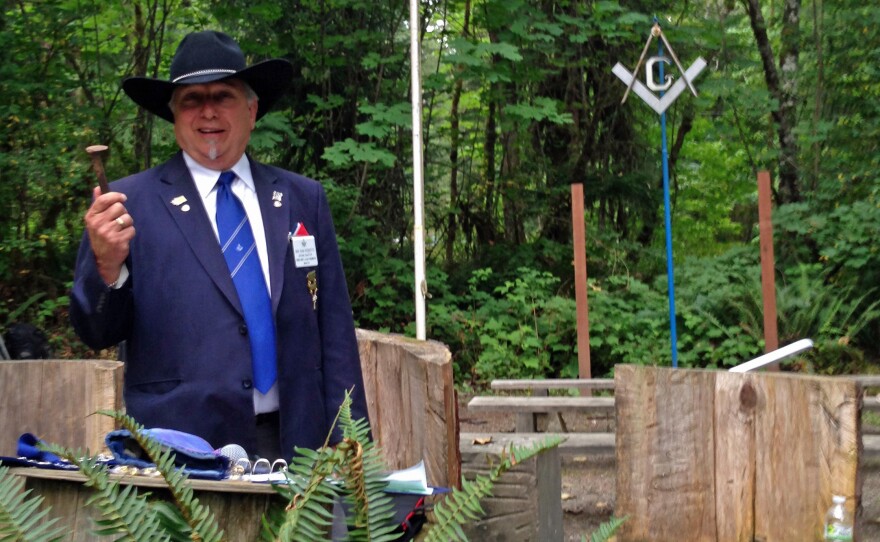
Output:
(253, 106)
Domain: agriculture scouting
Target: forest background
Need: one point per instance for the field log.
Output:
(519, 102)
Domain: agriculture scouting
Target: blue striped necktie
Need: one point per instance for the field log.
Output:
(240, 251)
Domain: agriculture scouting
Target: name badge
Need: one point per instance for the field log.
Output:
(304, 252)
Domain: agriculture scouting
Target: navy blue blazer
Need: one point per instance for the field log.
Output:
(187, 363)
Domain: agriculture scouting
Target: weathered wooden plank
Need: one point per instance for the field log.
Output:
(215, 486)
(736, 404)
(553, 384)
(20, 388)
(237, 512)
(866, 381)
(56, 399)
(541, 404)
(807, 438)
(526, 502)
(572, 443)
(665, 459)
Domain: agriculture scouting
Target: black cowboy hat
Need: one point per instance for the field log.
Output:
(203, 57)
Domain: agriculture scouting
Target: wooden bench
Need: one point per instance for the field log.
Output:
(600, 443)
(572, 443)
(527, 408)
(542, 385)
(526, 417)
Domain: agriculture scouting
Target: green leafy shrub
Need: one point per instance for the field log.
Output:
(519, 328)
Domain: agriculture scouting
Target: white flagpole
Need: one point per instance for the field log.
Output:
(421, 285)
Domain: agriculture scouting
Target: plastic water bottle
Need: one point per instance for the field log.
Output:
(838, 521)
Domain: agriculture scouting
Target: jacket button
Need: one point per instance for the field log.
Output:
(242, 329)
(247, 384)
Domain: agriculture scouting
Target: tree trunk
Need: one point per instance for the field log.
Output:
(486, 223)
(455, 139)
(142, 123)
(782, 85)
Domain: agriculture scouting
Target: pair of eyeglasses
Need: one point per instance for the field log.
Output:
(259, 471)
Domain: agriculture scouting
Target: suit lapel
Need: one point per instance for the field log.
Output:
(195, 225)
(275, 202)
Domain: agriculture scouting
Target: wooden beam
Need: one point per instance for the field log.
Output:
(768, 275)
(578, 230)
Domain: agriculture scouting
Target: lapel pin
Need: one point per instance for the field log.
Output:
(312, 284)
(181, 200)
(276, 198)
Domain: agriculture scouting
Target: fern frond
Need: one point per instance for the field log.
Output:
(463, 505)
(310, 496)
(607, 529)
(200, 521)
(20, 516)
(319, 478)
(124, 512)
(362, 472)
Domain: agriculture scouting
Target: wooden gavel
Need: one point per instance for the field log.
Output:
(97, 153)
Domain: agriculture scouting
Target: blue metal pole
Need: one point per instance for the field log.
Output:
(669, 273)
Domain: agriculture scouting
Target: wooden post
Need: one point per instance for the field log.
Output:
(580, 281)
(713, 455)
(412, 404)
(768, 276)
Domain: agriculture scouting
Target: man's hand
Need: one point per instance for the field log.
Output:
(110, 229)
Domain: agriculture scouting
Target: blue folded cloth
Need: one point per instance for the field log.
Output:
(28, 447)
(30, 455)
(192, 453)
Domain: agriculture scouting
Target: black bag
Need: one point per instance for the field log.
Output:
(25, 341)
(413, 519)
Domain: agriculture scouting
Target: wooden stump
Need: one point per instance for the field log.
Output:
(412, 404)
(710, 455)
(56, 400)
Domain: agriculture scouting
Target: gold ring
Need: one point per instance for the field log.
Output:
(120, 222)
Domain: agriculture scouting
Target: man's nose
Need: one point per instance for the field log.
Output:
(209, 108)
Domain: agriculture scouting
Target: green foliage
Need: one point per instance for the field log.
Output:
(20, 515)
(629, 323)
(833, 316)
(519, 102)
(514, 328)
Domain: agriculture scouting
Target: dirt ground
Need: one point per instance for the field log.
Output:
(588, 482)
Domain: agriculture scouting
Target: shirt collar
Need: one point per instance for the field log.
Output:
(206, 179)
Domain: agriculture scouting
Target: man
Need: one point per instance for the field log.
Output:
(264, 359)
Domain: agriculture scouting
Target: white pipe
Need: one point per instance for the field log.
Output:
(774, 356)
(421, 285)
